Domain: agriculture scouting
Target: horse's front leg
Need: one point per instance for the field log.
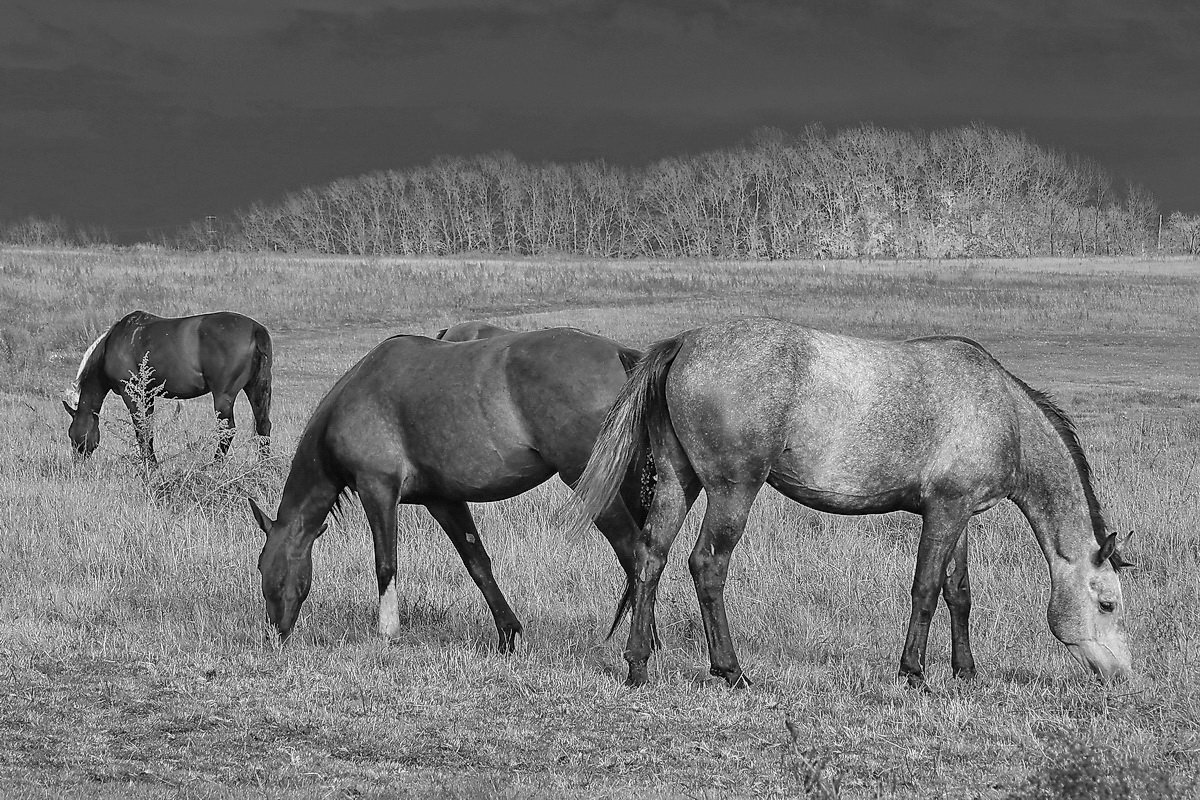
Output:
(940, 532)
(379, 500)
(142, 415)
(223, 405)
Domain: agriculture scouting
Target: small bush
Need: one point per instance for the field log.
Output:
(188, 477)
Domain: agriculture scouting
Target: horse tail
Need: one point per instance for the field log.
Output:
(623, 435)
(261, 379)
(623, 439)
(628, 358)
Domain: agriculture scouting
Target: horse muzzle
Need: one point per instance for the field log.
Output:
(1108, 666)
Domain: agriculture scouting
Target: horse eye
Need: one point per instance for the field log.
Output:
(1108, 606)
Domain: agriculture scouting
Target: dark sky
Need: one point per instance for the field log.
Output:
(143, 113)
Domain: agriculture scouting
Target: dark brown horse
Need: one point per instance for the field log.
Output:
(219, 354)
(441, 424)
(933, 426)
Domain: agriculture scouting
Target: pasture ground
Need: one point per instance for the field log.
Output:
(134, 661)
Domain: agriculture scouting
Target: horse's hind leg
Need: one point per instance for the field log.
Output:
(940, 532)
(724, 523)
(456, 521)
(674, 494)
(223, 403)
(956, 590)
(619, 528)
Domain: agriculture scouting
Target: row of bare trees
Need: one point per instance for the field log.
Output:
(52, 231)
(862, 192)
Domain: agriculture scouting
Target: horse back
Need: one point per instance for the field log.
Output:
(433, 417)
(562, 382)
(475, 420)
(189, 356)
(840, 423)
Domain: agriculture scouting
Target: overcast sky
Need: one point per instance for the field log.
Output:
(146, 113)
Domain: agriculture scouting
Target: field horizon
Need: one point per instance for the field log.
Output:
(134, 661)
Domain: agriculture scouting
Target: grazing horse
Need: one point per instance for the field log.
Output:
(220, 354)
(933, 426)
(442, 423)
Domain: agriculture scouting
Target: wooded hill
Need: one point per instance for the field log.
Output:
(973, 191)
(862, 192)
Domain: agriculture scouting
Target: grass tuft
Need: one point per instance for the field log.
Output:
(1078, 770)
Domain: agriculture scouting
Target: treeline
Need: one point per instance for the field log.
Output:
(973, 191)
(52, 231)
(865, 192)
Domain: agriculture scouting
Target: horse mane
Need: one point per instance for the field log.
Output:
(1065, 428)
(337, 511)
(312, 442)
(87, 364)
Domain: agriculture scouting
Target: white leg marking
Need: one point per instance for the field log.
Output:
(389, 612)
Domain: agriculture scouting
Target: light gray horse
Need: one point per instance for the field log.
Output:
(934, 426)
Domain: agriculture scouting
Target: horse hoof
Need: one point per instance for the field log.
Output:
(637, 676)
(735, 679)
(508, 641)
(965, 674)
(916, 680)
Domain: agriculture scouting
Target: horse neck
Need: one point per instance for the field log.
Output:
(1054, 488)
(309, 495)
(91, 384)
(93, 388)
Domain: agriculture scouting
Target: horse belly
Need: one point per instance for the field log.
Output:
(177, 367)
(843, 489)
(477, 475)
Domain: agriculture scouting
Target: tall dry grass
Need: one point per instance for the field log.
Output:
(131, 624)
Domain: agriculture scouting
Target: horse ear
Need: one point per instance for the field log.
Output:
(1116, 559)
(1107, 549)
(67, 406)
(441, 333)
(260, 516)
(1119, 562)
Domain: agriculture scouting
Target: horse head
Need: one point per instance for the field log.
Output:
(84, 431)
(1087, 612)
(285, 565)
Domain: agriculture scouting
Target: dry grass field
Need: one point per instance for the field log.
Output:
(135, 663)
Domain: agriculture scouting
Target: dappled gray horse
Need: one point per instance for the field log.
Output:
(441, 424)
(221, 354)
(934, 426)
